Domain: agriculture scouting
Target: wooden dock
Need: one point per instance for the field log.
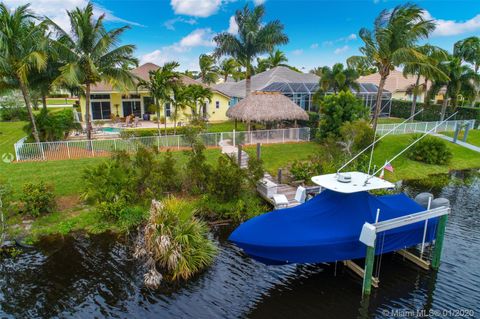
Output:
(283, 189)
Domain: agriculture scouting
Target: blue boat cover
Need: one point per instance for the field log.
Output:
(327, 228)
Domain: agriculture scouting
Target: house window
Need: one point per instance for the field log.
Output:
(168, 110)
(100, 106)
(132, 105)
(217, 104)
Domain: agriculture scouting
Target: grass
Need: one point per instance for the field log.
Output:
(229, 126)
(472, 138)
(10, 133)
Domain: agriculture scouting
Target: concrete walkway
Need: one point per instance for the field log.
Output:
(466, 145)
(230, 150)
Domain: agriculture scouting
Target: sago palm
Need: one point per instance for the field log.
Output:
(92, 55)
(253, 39)
(392, 43)
(208, 70)
(22, 52)
(161, 85)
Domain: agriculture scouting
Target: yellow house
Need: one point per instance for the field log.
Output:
(107, 102)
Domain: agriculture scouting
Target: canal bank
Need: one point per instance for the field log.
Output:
(79, 276)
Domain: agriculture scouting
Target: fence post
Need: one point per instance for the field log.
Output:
(42, 150)
(15, 146)
(115, 144)
(158, 143)
(259, 151)
(268, 136)
(283, 136)
(239, 155)
(178, 142)
(68, 149)
(298, 134)
(91, 145)
(233, 137)
(279, 176)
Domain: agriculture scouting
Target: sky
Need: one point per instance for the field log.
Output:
(321, 32)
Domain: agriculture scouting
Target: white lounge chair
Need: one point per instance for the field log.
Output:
(280, 201)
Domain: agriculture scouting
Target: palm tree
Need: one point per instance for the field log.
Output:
(274, 59)
(393, 43)
(181, 99)
(360, 65)
(92, 55)
(336, 78)
(22, 51)
(461, 80)
(208, 70)
(228, 67)
(428, 69)
(196, 95)
(254, 38)
(469, 50)
(161, 85)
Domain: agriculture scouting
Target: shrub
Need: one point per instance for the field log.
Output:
(226, 179)
(356, 136)
(197, 168)
(13, 109)
(430, 150)
(304, 170)
(175, 241)
(38, 199)
(255, 170)
(6, 198)
(336, 109)
(163, 177)
(248, 205)
(141, 132)
(53, 126)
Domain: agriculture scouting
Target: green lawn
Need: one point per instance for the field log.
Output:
(10, 132)
(472, 138)
(390, 120)
(229, 126)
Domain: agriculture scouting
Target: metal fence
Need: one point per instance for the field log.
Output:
(96, 148)
(423, 127)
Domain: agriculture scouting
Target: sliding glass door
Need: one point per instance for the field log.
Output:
(132, 107)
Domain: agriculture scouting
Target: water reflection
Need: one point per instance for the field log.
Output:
(95, 276)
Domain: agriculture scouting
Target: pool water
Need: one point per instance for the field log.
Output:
(111, 130)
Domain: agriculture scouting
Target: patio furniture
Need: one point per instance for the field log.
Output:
(127, 121)
(136, 122)
(301, 194)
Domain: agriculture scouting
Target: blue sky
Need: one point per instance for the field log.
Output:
(321, 32)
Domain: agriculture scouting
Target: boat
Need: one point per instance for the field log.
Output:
(327, 228)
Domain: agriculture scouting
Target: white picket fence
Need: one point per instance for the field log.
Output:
(423, 127)
(103, 147)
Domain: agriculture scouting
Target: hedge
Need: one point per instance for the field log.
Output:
(142, 132)
(432, 112)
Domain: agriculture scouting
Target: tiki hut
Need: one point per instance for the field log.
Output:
(266, 107)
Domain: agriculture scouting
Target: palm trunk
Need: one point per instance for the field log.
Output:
(44, 101)
(426, 96)
(476, 85)
(414, 102)
(87, 111)
(444, 106)
(175, 121)
(248, 81)
(225, 78)
(26, 98)
(158, 117)
(378, 105)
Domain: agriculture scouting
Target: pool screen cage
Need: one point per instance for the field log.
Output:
(302, 95)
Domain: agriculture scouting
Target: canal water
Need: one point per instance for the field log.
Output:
(86, 277)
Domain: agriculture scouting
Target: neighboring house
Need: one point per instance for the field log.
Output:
(400, 86)
(236, 90)
(106, 101)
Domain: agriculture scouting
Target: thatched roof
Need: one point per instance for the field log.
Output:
(266, 107)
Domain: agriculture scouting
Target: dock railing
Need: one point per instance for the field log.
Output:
(70, 149)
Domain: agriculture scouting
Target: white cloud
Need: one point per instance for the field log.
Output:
(452, 27)
(196, 8)
(341, 50)
(57, 10)
(297, 52)
(232, 26)
(351, 37)
(346, 39)
(170, 24)
(197, 38)
(258, 2)
(314, 46)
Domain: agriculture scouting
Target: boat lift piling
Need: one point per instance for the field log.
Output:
(369, 233)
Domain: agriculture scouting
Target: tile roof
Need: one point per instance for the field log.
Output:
(396, 82)
(262, 80)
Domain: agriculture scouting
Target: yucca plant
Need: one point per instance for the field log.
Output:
(175, 244)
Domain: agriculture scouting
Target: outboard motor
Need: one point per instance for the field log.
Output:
(423, 198)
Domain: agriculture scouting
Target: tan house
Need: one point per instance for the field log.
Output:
(106, 102)
(397, 84)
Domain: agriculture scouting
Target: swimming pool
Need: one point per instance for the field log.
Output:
(110, 130)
